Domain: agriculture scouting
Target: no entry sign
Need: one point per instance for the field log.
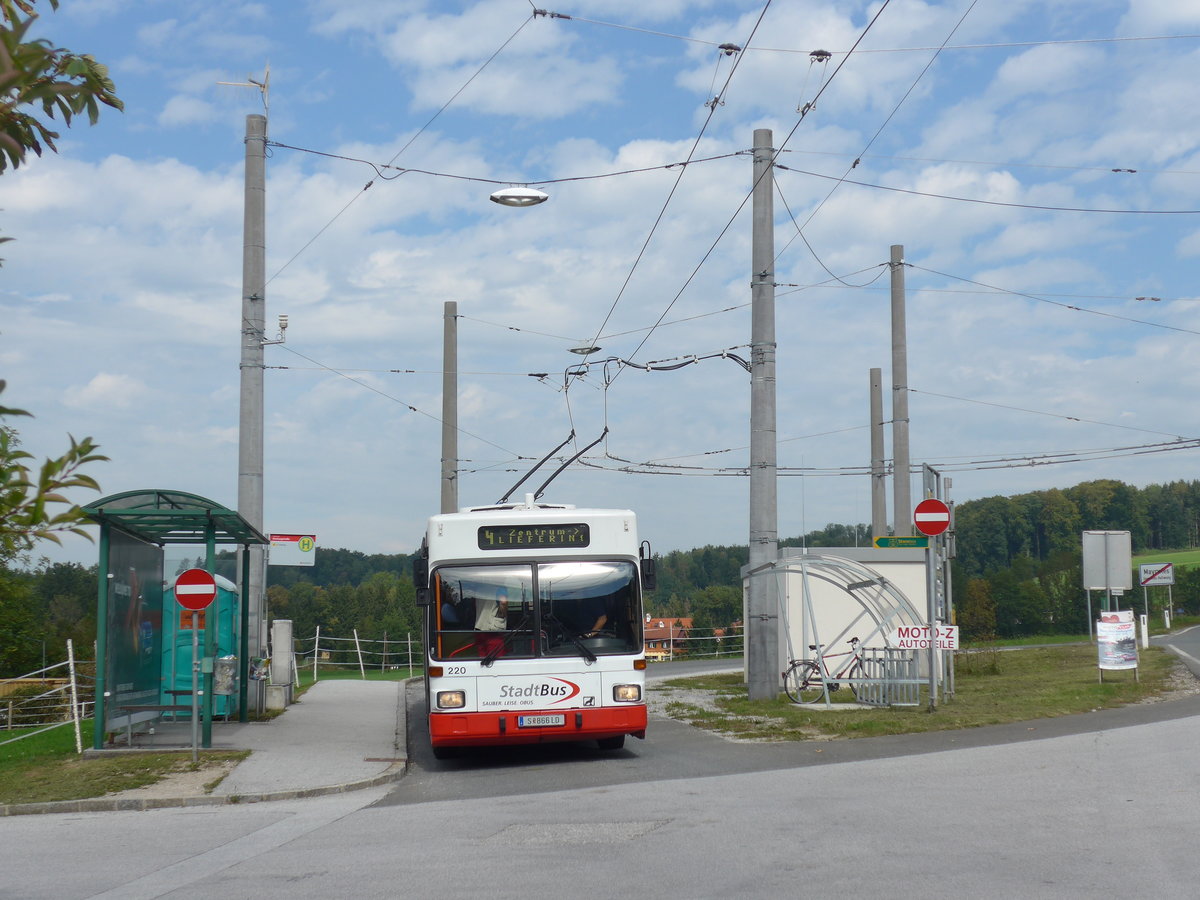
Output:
(195, 589)
(931, 517)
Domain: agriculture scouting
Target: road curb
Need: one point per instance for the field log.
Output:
(117, 804)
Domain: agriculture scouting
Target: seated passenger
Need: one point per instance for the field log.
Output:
(491, 616)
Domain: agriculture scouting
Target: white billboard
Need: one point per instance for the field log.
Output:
(1107, 561)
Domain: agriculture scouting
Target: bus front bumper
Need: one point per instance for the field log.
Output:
(481, 729)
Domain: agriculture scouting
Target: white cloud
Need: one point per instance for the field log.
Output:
(1152, 17)
(185, 110)
(1189, 245)
(106, 391)
(1048, 70)
(159, 34)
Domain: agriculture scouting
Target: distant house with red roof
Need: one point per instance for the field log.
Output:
(666, 636)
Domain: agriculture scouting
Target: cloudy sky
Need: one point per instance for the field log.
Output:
(1038, 162)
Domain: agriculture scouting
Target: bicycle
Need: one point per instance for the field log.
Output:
(805, 679)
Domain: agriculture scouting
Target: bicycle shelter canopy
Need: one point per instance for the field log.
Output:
(828, 595)
(135, 526)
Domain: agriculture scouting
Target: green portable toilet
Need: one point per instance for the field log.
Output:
(177, 648)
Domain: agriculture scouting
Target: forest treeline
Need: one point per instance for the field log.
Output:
(1018, 571)
(1018, 568)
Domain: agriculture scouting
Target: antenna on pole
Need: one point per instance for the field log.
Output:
(264, 87)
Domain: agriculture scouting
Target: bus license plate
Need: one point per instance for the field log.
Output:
(540, 721)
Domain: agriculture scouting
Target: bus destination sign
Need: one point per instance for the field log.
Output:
(533, 537)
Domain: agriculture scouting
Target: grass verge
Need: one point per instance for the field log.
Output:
(46, 768)
(990, 689)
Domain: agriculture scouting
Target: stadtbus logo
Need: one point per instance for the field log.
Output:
(555, 693)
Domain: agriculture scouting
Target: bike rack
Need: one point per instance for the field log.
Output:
(895, 678)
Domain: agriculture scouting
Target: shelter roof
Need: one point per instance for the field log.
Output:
(173, 517)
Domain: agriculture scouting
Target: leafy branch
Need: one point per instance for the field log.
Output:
(35, 73)
(32, 503)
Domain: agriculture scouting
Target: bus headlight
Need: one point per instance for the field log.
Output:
(451, 699)
(627, 693)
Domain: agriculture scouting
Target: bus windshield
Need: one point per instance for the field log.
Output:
(531, 610)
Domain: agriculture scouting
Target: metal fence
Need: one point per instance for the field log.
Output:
(51, 697)
(406, 651)
(324, 651)
(696, 643)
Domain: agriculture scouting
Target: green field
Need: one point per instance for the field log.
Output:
(1179, 557)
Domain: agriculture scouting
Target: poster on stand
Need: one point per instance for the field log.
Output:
(1116, 640)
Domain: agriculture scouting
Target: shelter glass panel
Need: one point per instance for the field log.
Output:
(135, 597)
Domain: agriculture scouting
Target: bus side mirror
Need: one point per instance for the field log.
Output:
(649, 579)
(421, 579)
(646, 558)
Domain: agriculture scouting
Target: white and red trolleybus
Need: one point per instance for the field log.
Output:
(533, 625)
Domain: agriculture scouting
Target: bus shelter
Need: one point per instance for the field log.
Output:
(133, 606)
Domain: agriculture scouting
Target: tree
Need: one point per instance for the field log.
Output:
(716, 606)
(977, 613)
(983, 532)
(1059, 523)
(31, 505)
(21, 632)
(36, 74)
(1061, 577)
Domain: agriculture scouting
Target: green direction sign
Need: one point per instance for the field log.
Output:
(918, 543)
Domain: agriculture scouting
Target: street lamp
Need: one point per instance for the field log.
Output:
(519, 196)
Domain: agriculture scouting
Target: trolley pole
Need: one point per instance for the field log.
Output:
(762, 626)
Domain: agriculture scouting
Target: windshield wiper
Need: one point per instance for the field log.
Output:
(494, 653)
(572, 637)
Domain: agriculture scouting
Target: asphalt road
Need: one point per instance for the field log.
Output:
(675, 751)
(1088, 806)
(1185, 645)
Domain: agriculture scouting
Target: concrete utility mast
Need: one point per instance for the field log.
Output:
(450, 408)
(762, 625)
(901, 479)
(253, 325)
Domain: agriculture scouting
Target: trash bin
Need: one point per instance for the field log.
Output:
(225, 675)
